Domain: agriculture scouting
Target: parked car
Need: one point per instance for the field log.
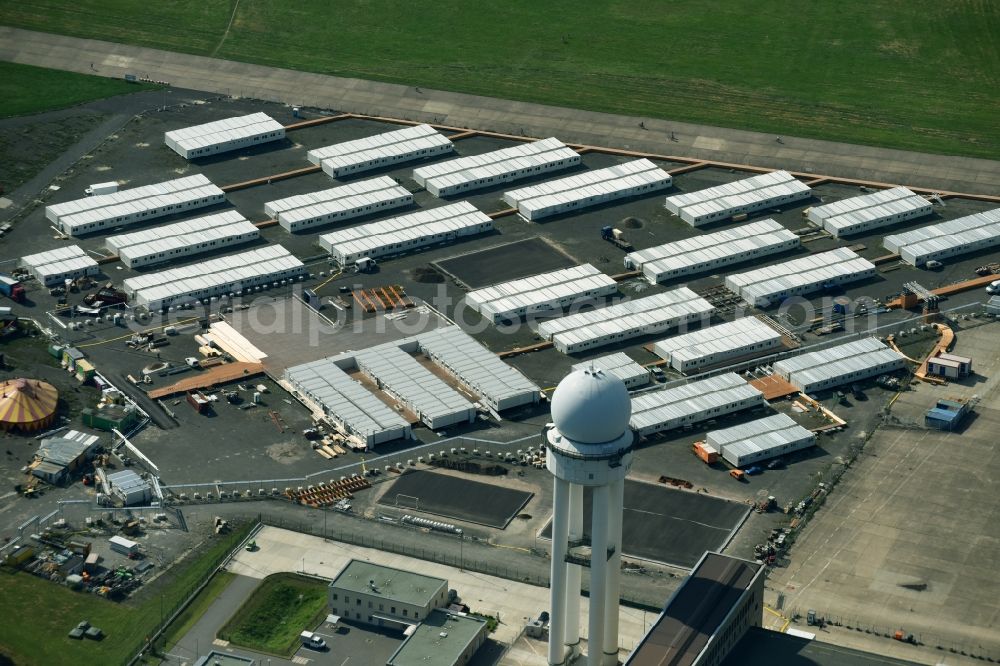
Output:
(775, 463)
(993, 287)
(753, 469)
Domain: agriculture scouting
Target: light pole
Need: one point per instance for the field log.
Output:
(461, 551)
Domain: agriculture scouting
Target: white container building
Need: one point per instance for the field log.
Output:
(546, 293)
(770, 285)
(710, 252)
(64, 263)
(382, 150)
(347, 403)
(707, 347)
(625, 320)
(590, 188)
(398, 235)
(622, 366)
(684, 406)
(722, 202)
(947, 239)
(134, 205)
(760, 440)
(474, 172)
(130, 488)
(365, 197)
(499, 386)
(838, 365)
(870, 211)
(399, 375)
(183, 239)
(224, 135)
(232, 274)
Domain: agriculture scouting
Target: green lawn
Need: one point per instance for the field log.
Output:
(190, 615)
(276, 613)
(25, 89)
(38, 613)
(922, 74)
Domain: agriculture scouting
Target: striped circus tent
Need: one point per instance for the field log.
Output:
(27, 404)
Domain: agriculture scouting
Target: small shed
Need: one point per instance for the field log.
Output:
(110, 417)
(70, 355)
(951, 366)
(946, 415)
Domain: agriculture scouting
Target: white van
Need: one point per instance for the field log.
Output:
(311, 640)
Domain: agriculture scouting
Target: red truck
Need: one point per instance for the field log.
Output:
(11, 288)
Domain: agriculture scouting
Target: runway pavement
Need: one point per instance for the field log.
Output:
(457, 109)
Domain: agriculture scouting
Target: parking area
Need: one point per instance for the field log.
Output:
(505, 262)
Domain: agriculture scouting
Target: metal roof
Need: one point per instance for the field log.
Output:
(588, 188)
(716, 339)
(60, 261)
(221, 131)
(210, 232)
(65, 448)
(127, 481)
(870, 210)
(759, 436)
(545, 292)
(628, 318)
(800, 276)
(397, 234)
(338, 203)
(839, 364)
(723, 201)
(958, 236)
(476, 366)
(369, 152)
(619, 364)
(345, 399)
(496, 167)
(233, 272)
(692, 402)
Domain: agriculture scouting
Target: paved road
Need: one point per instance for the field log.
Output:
(368, 97)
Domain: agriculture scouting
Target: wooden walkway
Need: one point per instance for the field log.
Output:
(222, 374)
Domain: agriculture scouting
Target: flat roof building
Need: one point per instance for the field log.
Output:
(709, 252)
(442, 639)
(383, 596)
(761, 439)
(625, 320)
(722, 202)
(175, 241)
(621, 366)
(399, 235)
(590, 188)
(130, 488)
(365, 197)
(350, 158)
(545, 293)
(691, 403)
(474, 172)
(706, 347)
(947, 239)
(221, 136)
(64, 263)
(706, 617)
(869, 211)
(135, 205)
(838, 365)
(768, 286)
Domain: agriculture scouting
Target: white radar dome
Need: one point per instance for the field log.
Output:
(591, 407)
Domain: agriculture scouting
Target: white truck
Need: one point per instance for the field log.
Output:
(313, 641)
(365, 265)
(101, 188)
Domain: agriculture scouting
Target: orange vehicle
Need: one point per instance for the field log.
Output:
(738, 474)
(706, 452)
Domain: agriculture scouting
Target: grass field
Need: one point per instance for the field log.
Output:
(921, 75)
(25, 89)
(276, 613)
(190, 615)
(40, 613)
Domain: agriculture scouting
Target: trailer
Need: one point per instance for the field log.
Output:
(11, 288)
(124, 546)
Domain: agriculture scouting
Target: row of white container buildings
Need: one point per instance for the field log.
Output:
(590, 188)
(541, 294)
(268, 266)
(350, 158)
(760, 440)
(722, 202)
(838, 365)
(224, 135)
(397, 235)
(686, 405)
(947, 239)
(134, 205)
(366, 197)
(346, 403)
(625, 320)
(190, 237)
(622, 366)
(709, 252)
(65, 263)
(869, 211)
(474, 172)
(769, 285)
(707, 347)
(499, 386)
